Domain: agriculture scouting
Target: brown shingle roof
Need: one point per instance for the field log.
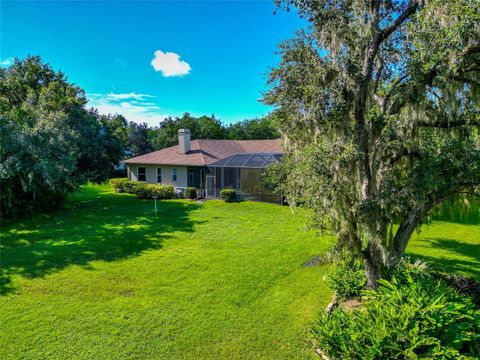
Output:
(204, 152)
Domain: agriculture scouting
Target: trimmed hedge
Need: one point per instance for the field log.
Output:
(146, 191)
(143, 190)
(190, 193)
(228, 195)
(118, 184)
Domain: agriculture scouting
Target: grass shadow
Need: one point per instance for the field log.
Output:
(470, 264)
(457, 210)
(93, 225)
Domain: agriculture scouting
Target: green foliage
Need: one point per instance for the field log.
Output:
(348, 279)
(190, 193)
(141, 189)
(130, 187)
(118, 184)
(138, 138)
(209, 127)
(50, 142)
(228, 195)
(204, 127)
(464, 285)
(411, 316)
(252, 129)
(379, 103)
(147, 191)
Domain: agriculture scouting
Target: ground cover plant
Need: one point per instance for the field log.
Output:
(105, 278)
(414, 315)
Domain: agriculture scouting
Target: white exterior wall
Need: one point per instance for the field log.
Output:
(151, 172)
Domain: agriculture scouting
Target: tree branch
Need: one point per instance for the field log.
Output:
(443, 125)
(387, 97)
(412, 7)
(473, 48)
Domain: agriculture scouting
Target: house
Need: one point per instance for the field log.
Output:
(210, 166)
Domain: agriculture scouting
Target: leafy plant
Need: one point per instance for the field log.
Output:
(147, 191)
(228, 195)
(412, 316)
(142, 190)
(348, 279)
(118, 184)
(190, 193)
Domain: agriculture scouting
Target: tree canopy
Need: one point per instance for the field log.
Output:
(50, 142)
(379, 102)
(209, 127)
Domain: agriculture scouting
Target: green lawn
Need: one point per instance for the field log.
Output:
(106, 278)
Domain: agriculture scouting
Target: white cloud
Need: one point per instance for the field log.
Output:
(135, 107)
(130, 95)
(169, 64)
(6, 62)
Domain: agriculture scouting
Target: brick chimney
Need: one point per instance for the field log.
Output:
(183, 141)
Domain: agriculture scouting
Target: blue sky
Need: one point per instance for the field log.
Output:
(148, 60)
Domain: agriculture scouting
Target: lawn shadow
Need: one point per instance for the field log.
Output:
(93, 225)
(457, 210)
(470, 265)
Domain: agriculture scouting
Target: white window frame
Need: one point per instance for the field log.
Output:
(159, 175)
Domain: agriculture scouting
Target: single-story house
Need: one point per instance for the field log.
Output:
(210, 166)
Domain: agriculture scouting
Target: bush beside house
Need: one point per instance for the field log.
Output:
(190, 193)
(228, 195)
(142, 190)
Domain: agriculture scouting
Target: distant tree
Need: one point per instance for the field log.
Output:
(138, 138)
(50, 142)
(208, 127)
(204, 127)
(118, 126)
(252, 129)
(379, 101)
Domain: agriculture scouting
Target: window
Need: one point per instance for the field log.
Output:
(159, 175)
(142, 174)
(174, 174)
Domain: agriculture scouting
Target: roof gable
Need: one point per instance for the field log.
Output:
(205, 152)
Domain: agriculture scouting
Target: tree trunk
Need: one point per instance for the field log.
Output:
(372, 271)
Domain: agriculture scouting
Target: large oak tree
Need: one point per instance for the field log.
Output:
(379, 104)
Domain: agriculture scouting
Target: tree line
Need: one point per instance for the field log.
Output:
(52, 142)
(141, 139)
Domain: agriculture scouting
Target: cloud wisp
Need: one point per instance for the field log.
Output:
(135, 107)
(170, 64)
(6, 62)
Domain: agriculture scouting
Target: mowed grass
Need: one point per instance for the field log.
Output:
(451, 241)
(106, 278)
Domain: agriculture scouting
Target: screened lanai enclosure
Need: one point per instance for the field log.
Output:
(244, 173)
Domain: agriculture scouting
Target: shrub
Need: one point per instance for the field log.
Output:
(348, 279)
(415, 317)
(190, 193)
(118, 184)
(130, 187)
(147, 191)
(143, 190)
(228, 195)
